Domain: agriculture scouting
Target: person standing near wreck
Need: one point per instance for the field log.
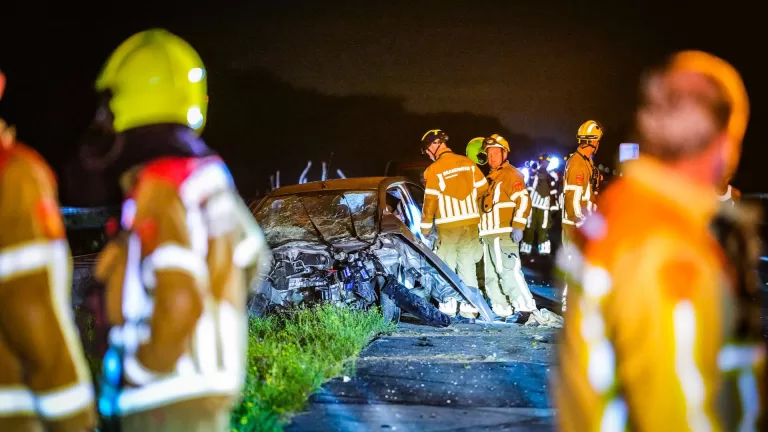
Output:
(453, 185)
(177, 271)
(578, 195)
(504, 213)
(657, 335)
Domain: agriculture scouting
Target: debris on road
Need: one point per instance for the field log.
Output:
(544, 318)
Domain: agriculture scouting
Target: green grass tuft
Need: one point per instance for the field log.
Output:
(291, 356)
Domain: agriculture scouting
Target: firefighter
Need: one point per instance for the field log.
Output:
(453, 185)
(475, 151)
(505, 209)
(177, 269)
(651, 334)
(45, 382)
(578, 180)
(543, 193)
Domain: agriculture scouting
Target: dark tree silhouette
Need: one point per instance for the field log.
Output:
(260, 124)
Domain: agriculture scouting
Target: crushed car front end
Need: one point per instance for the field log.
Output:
(339, 245)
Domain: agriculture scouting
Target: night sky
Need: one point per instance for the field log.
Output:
(300, 80)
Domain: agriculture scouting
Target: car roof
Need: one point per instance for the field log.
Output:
(356, 183)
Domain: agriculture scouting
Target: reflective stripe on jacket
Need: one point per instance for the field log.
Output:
(507, 204)
(453, 185)
(577, 189)
(542, 191)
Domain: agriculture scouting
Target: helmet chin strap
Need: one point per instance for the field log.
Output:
(433, 155)
(588, 143)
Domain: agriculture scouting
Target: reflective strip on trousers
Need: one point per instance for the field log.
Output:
(14, 401)
(66, 401)
(50, 405)
(525, 295)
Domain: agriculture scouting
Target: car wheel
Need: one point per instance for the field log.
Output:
(389, 309)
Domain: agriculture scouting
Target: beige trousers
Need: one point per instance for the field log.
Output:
(504, 280)
(460, 250)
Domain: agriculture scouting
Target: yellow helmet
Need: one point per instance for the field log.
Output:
(155, 77)
(496, 140)
(729, 79)
(590, 130)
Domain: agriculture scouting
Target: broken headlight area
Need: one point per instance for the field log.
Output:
(387, 274)
(303, 274)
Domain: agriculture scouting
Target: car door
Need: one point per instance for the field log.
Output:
(406, 200)
(415, 252)
(415, 194)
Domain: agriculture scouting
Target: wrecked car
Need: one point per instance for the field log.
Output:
(357, 243)
(86, 235)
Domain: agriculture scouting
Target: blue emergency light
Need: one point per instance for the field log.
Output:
(554, 163)
(628, 151)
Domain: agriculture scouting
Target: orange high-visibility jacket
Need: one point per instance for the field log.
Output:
(650, 313)
(44, 377)
(507, 203)
(454, 184)
(176, 286)
(577, 189)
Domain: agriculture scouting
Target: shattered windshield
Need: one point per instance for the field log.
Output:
(337, 215)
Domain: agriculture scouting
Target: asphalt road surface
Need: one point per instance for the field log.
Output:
(465, 377)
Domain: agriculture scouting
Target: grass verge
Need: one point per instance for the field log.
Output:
(290, 357)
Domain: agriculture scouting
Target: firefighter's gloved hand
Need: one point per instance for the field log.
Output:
(517, 235)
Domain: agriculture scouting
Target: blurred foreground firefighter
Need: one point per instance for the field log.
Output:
(578, 199)
(657, 334)
(453, 185)
(504, 213)
(45, 382)
(543, 192)
(177, 270)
